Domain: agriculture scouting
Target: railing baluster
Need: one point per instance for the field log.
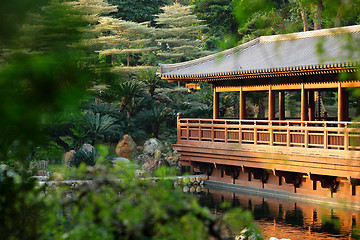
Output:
(271, 132)
(240, 132)
(212, 131)
(178, 127)
(325, 136)
(346, 137)
(226, 132)
(199, 130)
(306, 136)
(187, 131)
(288, 136)
(255, 133)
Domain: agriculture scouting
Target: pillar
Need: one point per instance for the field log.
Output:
(271, 109)
(215, 104)
(304, 108)
(343, 105)
(311, 106)
(282, 105)
(242, 105)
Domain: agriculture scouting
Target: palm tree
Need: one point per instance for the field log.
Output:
(149, 78)
(154, 117)
(124, 93)
(92, 126)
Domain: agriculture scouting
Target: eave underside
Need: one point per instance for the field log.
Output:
(262, 75)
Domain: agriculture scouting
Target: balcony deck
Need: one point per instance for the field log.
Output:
(308, 147)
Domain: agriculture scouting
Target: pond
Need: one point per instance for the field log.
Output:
(282, 218)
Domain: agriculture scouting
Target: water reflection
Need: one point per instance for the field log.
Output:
(285, 219)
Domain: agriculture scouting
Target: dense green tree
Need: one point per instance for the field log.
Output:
(317, 14)
(15, 17)
(219, 17)
(275, 21)
(180, 35)
(138, 11)
(124, 38)
(260, 17)
(94, 8)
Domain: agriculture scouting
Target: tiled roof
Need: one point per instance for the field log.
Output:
(302, 53)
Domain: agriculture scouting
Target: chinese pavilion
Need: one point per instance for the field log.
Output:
(309, 152)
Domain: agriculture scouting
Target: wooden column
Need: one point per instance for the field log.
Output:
(215, 104)
(343, 105)
(282, 105)
(271, 109)
(304, 110)
(311, 106)
(178, 126)
(242, 105)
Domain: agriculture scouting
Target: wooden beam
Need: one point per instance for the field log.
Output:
(285, 87)
(227, 89)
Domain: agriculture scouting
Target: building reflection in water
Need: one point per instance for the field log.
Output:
(282, 218)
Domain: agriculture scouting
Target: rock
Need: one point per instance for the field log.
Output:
(142, 158)
(153, 144)
(152, 164)
(68, 157)
(87, 148)
(173, 161)
(157, 153)
(126, 147)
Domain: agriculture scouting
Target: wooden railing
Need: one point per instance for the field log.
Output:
(311, 134)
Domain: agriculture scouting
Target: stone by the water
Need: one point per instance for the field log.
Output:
(153, 144)
(126, 147)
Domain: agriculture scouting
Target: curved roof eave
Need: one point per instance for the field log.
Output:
(272, 72)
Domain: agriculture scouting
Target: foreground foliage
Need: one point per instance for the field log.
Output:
(114, 204)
